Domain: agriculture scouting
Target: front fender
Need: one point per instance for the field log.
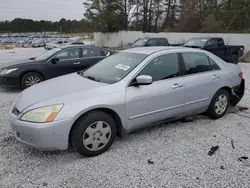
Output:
(114, 102)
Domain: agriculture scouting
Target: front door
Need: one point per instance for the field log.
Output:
(163, 99)
(68, 62)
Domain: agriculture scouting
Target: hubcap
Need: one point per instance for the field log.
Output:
(30, 81)
(221, 104)
(97, 135)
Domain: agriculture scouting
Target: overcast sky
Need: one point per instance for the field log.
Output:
(52, 10)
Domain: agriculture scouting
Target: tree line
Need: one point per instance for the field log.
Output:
(27, 25)
(169, 15)
(148, 16)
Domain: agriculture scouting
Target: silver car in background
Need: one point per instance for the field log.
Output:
(124, 92)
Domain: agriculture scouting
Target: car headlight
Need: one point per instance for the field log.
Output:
(42, 115)
(7, 71)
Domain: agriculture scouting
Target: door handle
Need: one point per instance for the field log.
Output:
(176, 86)
(77, 63)
(215, 77)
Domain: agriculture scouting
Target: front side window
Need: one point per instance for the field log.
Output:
(212, 43)
(161, 42)
(140, 42)
(162, 67)
(152, 42)
(197, 42)
(71, 53)
(195, 62)
(113, 68)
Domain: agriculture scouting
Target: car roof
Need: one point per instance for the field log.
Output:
(153, 38)
(77, 45)
(206, 38)
(150, 50)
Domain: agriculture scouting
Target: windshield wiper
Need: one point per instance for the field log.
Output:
(89, 77)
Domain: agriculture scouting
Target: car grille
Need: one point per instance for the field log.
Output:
(15, 111)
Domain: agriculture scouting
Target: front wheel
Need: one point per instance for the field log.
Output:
(219, 104)
(31, 79)
(93, 133)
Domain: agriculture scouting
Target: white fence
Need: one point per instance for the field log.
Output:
(125, 37)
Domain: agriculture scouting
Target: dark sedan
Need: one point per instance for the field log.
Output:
(51, 64)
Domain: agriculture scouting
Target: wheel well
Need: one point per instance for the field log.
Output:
(228, 89)
(120, 130)
(236, 53)
(29, 72)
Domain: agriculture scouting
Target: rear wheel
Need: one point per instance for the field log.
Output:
(234, 59)
(93, 133)
(31, 79)
(219, 104)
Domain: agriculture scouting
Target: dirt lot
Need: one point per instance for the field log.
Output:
(173, 155)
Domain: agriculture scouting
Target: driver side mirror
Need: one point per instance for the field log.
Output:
(143, 80)
(54, 60)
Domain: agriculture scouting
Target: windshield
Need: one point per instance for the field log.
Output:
(196, 42)
(140, 42)
(47, 54)
(113, 68)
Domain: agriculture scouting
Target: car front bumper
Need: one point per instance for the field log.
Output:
(9, 82)
(42, 136)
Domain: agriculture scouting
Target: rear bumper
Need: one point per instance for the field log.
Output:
(238, 92)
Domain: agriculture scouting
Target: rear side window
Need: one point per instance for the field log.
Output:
(213, 65)
(220, 42)
(152, 42)
(92, 52)
(195, 62)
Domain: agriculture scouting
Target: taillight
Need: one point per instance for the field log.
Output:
(241, 75)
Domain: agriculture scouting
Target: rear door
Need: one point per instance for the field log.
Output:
(90, 56)
(202, 80)
(68, 62)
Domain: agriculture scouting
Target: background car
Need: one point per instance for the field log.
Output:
(216, 45)
(53, 63)
(148, 41)
(129, 90)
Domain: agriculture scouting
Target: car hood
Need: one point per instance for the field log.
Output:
(16, 63)
(60, 87)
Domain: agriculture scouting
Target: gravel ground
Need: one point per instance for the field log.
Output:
(173, 155)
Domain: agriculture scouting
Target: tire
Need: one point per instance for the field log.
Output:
(93, 133)
(31, 79)
(234, 59)
(217, 109)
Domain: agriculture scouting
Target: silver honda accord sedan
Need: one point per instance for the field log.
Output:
(129, 90)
